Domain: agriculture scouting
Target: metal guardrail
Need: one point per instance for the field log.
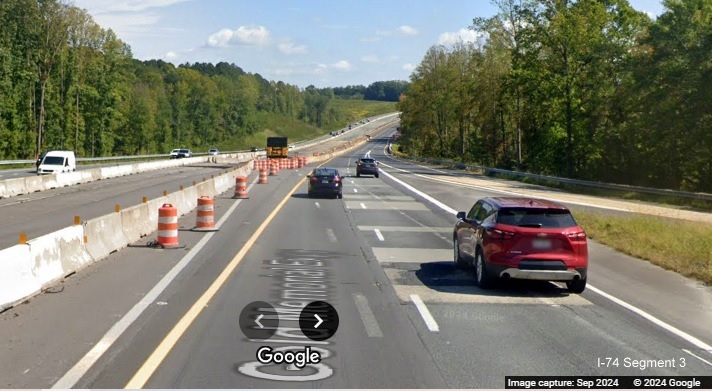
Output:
(600, 185)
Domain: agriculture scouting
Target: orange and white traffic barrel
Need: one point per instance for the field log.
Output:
(240, 187)
(168, 226)
(273, 169)
(263, 175)
(205, 220)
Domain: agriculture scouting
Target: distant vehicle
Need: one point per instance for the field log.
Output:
(349, 129)
(253, 149)
(325, 181)
(291, 146)
(184, 153)
(344, 130)
(521, 238)
(174, 153)
(277, 147)
(57, 161)
(213, 152)
(367, 166)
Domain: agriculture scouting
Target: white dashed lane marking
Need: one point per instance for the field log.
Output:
(379, 235)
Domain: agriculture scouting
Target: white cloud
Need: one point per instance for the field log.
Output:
(464, 35)
(370, 58)
(407, 30)
(342, 65)
(393, 58)
(320, 68)
(290, 48)
(243, 35)
(408, 67)
(170, 56)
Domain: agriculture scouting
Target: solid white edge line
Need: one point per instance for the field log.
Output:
(425, 313)
(70, 379)
(670, 328)
(369, 320)
(689, 338)
(379, 235)
(363, 206)
(697, 357)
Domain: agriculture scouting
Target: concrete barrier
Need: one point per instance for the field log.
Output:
(17, 278)
(55, 255)
(177, 199)
(69, 178)
(34, 183)
(50, 182)
(15, 187)
(206, 188)
(136, 222)
(190, 195)
(104, 235)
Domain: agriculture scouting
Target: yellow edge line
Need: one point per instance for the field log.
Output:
(144, 373)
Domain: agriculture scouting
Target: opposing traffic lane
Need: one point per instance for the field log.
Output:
(40, 213)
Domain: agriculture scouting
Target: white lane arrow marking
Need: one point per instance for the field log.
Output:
(319, 321)
(258, 321)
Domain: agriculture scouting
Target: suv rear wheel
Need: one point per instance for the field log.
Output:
(576, 286)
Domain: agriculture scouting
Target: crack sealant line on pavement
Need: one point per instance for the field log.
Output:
(670, 328)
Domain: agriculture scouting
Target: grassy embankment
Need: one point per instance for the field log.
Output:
(684, 247)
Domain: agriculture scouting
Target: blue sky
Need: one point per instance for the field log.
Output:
(301, 42)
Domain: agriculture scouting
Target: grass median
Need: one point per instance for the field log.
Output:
(684, 247)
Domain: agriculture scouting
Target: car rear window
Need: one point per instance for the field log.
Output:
(368, 160)
(536, 217)
(325, 172)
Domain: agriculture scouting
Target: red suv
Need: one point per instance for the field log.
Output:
(523, 238)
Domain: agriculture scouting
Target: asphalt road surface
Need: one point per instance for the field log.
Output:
(381, 256)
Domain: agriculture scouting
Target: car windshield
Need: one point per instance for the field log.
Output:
(326, 172)
(183, 151)
(213, 150)
(53, 160)
(536, 217)
(175, 151)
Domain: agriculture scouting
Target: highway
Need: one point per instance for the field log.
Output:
(382, 256)
(43, 212)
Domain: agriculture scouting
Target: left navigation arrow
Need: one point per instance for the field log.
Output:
(258, 321)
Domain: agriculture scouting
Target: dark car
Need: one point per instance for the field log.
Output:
(521, 238)
(325, 181)
(367, 166)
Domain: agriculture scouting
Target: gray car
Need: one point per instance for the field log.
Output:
(367, 166)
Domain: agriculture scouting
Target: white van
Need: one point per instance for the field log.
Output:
(57, 161)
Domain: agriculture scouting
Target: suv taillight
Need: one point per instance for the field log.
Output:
(313, 179)
(577, 236)
(499, 234)
(337, 179)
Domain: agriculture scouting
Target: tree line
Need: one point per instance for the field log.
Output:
(68, 83)
(588, 89)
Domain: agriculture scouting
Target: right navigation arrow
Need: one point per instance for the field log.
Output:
(319, 321)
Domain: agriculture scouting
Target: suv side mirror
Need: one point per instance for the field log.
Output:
(461, 215)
